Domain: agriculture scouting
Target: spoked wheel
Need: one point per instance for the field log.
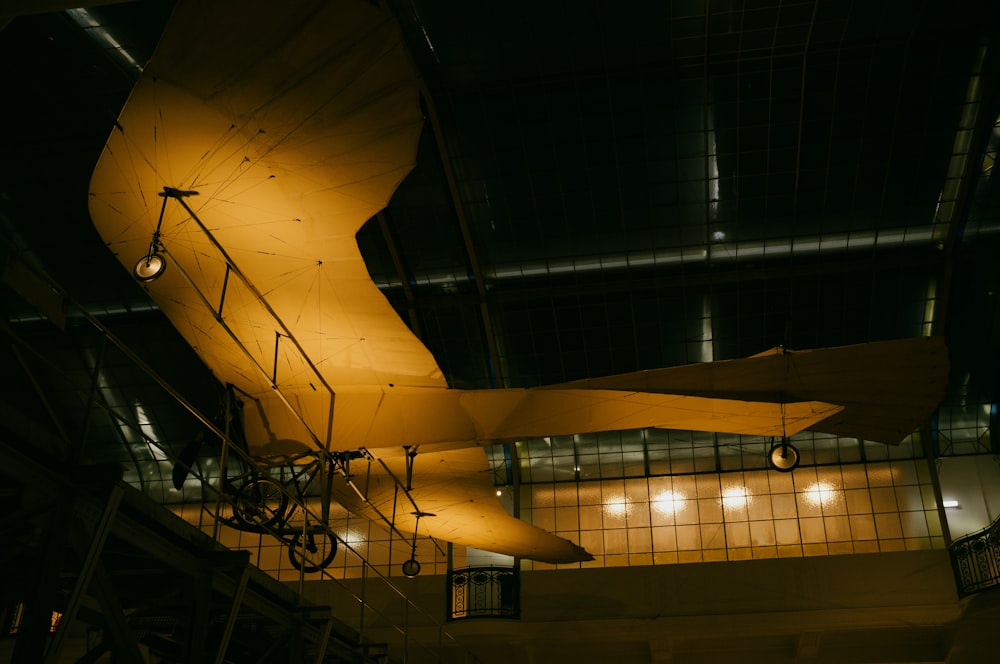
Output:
(312, 551)
(260, 503)
(783, 457)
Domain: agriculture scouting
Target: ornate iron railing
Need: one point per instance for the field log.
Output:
(484, 592)
(976, 560)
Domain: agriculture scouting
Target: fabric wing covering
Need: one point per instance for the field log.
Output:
(886, 389)
(256, 143)
(454, 488)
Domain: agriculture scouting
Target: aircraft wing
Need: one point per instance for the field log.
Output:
(418, 416)
(391, 417)
(255, 144)
(251, 162)
(455, 488)
(886, 389)
(280, 131)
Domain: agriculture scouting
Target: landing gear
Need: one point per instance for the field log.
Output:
(783, 456)
(260, 503)
(312, 551)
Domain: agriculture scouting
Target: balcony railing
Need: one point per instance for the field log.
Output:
(484, 592)
(976, 560)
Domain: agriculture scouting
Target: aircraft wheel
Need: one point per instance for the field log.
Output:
(260, 503)
(312, 551)
(783, 457)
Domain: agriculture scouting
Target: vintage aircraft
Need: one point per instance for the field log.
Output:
(257, 141)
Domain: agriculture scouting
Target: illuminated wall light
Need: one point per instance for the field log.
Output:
(669, 502)
(735, 497)
(354, 539)
(616, 506)
(949, 503)
(822, 494)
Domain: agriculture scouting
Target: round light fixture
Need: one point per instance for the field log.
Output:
(783, 457)
(150, 267)
(411, 568)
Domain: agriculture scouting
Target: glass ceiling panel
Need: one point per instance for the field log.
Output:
(583, 330)
(660, 452)
(641, 161)
(638, 195)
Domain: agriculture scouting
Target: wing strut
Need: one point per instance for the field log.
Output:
(322, 443)
(342, 462)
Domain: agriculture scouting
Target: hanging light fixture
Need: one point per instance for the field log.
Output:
(412, 567)
(783, 456)
(150, 266)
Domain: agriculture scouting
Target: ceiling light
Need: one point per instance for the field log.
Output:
(949, 503)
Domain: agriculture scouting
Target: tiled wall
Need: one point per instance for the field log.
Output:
(826, 510)
(655, 497)
(857, 508)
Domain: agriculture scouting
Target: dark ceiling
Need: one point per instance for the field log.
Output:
(600, 188)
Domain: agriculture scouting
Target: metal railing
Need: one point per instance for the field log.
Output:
(975, 559)
(484, 592)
